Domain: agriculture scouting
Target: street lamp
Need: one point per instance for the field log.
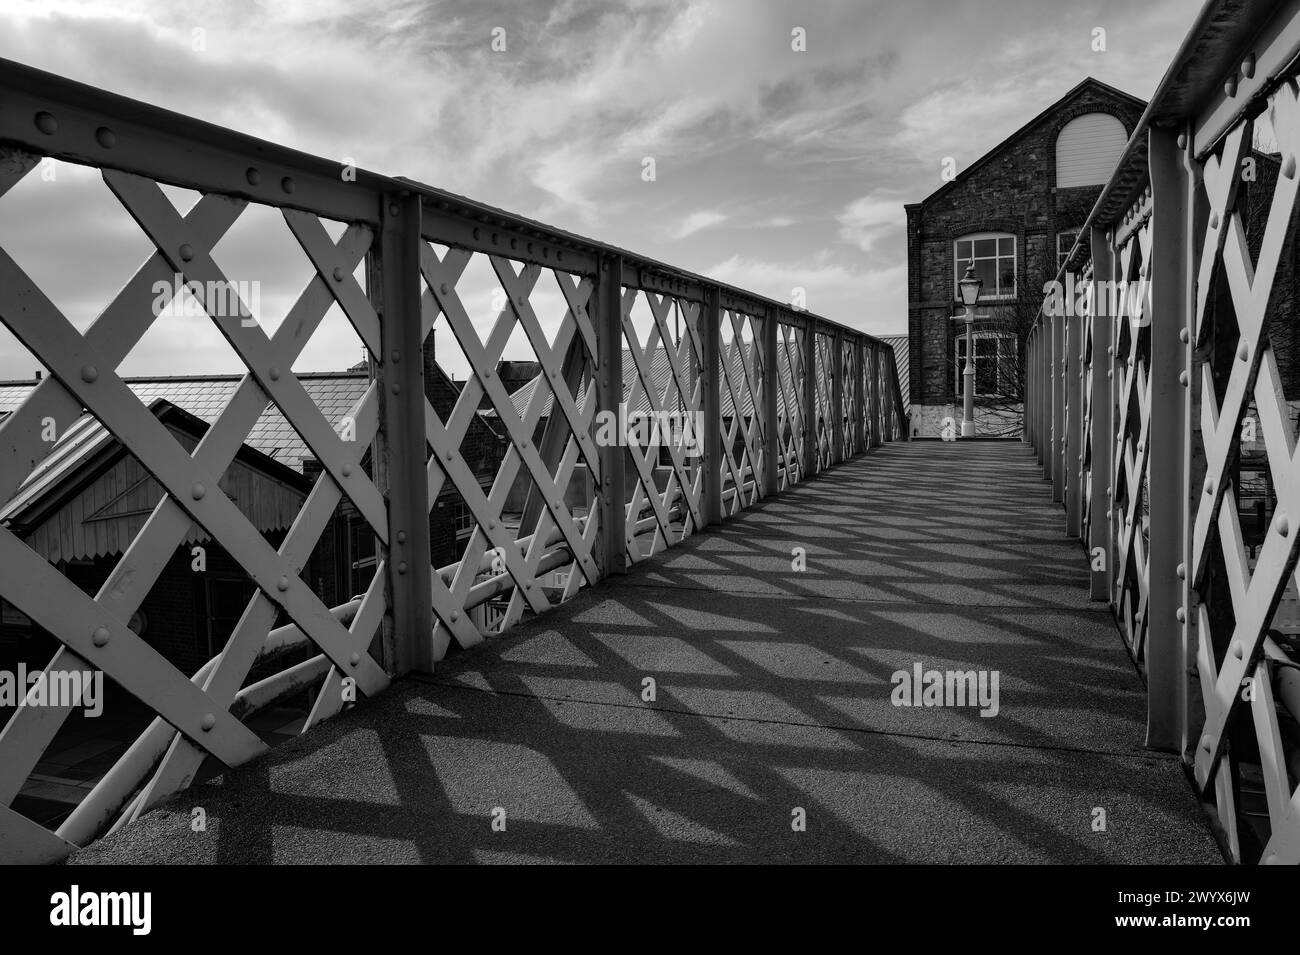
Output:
(969, 288)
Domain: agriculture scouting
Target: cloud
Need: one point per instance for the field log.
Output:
(808, 151)
(871, 300)
(697, 221)
(866, 220)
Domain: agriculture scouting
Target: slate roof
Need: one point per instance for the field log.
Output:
(335, 393)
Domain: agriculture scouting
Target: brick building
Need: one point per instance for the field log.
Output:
(1014, 212)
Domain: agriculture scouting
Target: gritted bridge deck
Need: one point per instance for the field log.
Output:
(773, 692)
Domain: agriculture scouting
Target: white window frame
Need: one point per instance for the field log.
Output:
(1061, 253)
(986, 294)
(1006, 351)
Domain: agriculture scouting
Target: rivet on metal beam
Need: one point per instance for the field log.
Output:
(1181, 571)
(1209, 485)
(282, 584)
(89, 373)
(354, 659)
(100, 637)
(1248, 66)
(1182, 140)
(1214, 220)
(1283, 525)
(197, 491)
(401, 537)
(1184, 336)
(1238, 650)
(1230, 86)
(208, 722)
(449, 455)
(105, 137)
(1288, 167)
(1181, 614)
(455, 615)
(395, 356)
(46, 123)
(338, 274)
(252, 175)
(287, 184)
(1182, 378)
(274, 374)
(1207, 743)
(394, 209)
(397, 387)
(187, 252)
(1243, 351)
(496, 239)
(347, 470)
(514, 244)
(401, 567)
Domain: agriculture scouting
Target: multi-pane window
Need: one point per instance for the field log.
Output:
(462, 519)
(994, 255)
(1064, 243)
(995, 358)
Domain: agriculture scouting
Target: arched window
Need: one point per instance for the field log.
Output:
(994, 255)
(1088, 150)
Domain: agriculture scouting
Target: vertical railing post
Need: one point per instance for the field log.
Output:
(771, 385)
(711, 383)
(1170, 275)
(1072, 446)
(812, 453)
(1035, 392)
(873, 381)
(400, 449)
(888, 385)
(1026, 432)
(609, 395)
(859, 399)
(837, 397)
(1042, 405)
(1100, 524)
(1058, 408)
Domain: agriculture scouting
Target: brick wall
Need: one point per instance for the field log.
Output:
(1012, 191)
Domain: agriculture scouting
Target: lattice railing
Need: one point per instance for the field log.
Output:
(749, 396)
(1188, 385)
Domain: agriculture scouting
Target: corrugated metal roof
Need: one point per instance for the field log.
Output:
(335, 394)
(660, 371)
(902, 362)
(661, 378)
(79, 443)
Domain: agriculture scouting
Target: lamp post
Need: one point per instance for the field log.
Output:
(969, 287)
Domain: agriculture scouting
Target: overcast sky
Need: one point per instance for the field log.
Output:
(775, 169)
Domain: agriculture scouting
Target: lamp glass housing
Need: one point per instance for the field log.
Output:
(969, 287)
